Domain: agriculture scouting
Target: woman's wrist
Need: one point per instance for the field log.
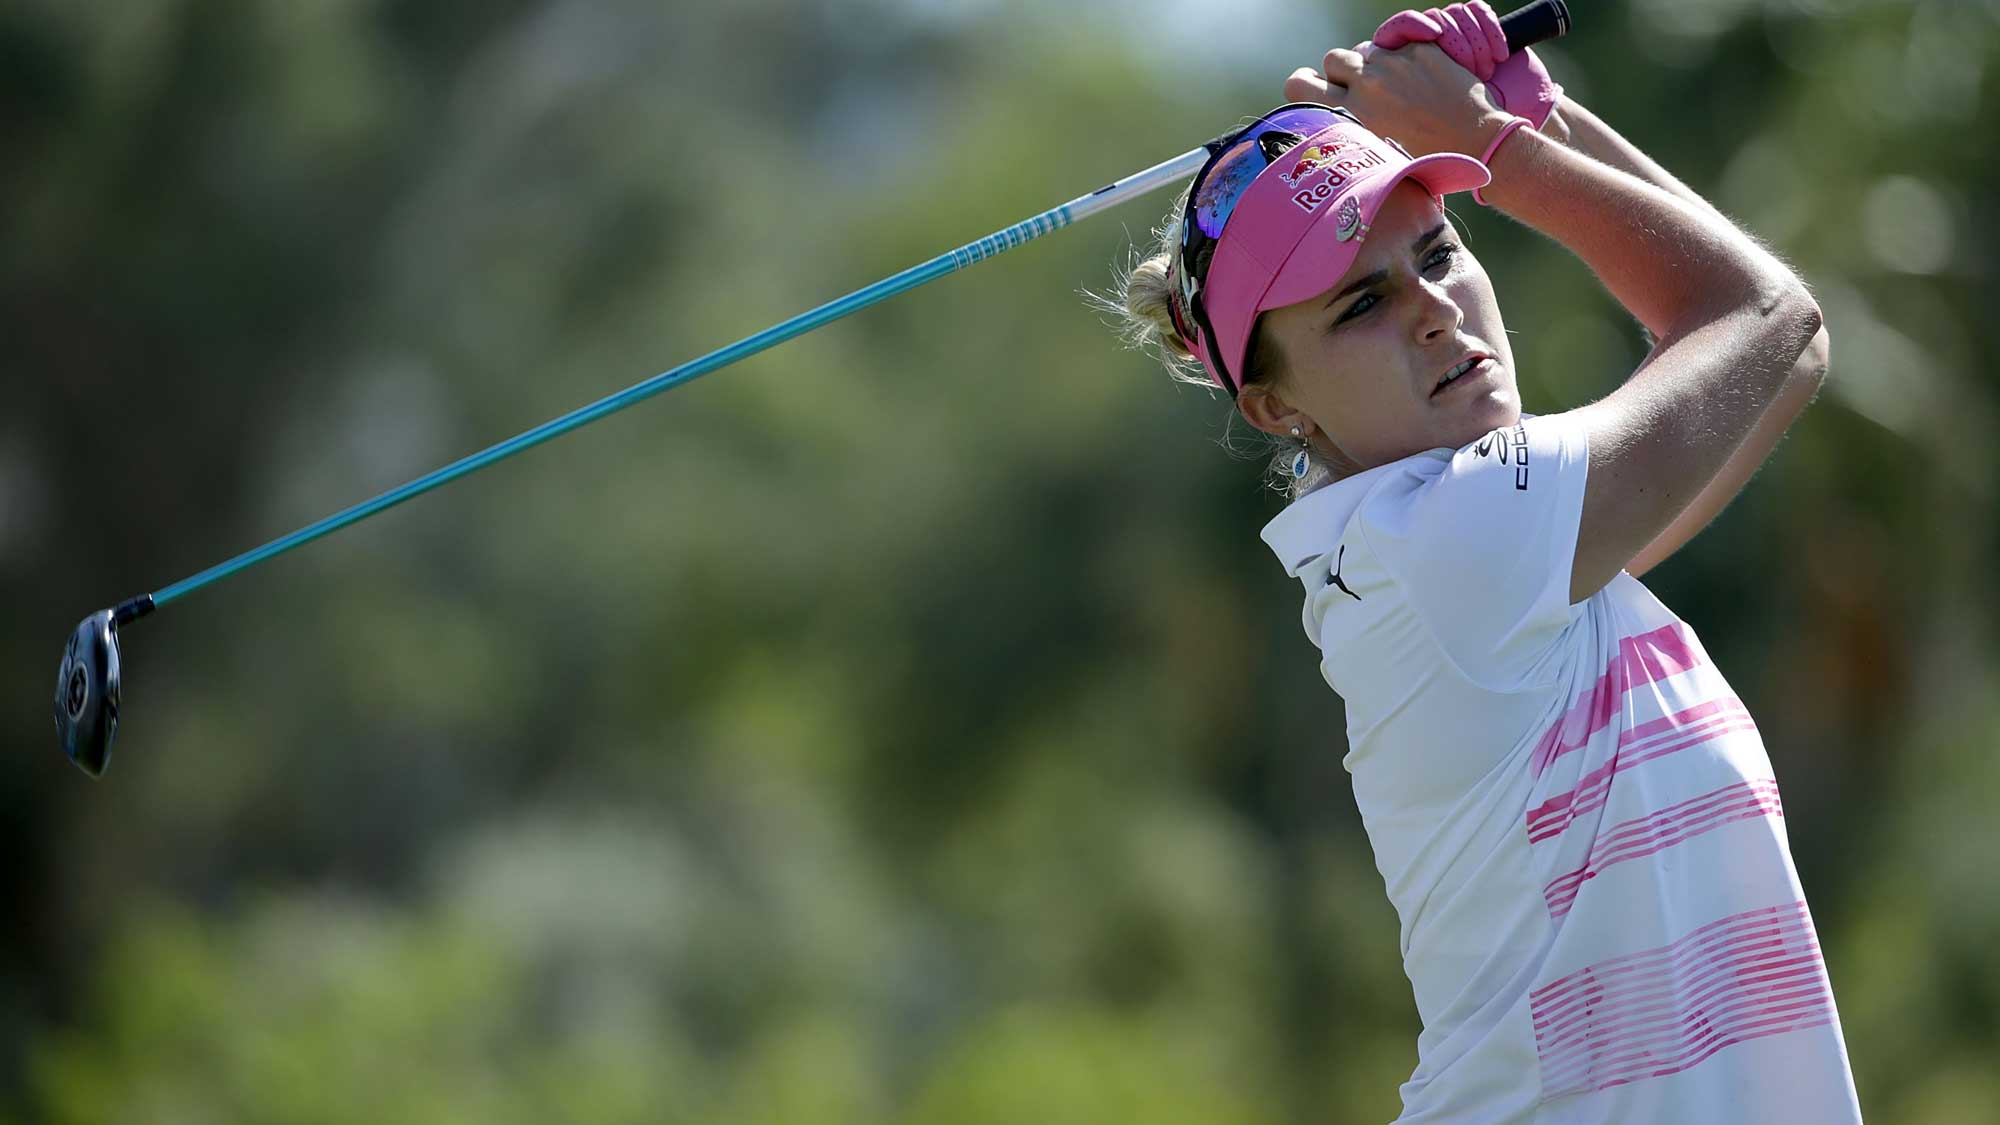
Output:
(1498, 130)
(1512, 161)
(1556, 128)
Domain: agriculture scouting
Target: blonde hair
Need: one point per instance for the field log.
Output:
(1139, 301)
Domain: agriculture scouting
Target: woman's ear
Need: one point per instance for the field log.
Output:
(1262, 407)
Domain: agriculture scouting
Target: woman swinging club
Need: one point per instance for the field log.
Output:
(1572, 812)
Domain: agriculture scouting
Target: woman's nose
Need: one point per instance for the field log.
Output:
(1438, 313)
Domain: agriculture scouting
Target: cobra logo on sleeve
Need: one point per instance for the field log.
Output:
(1513, 449)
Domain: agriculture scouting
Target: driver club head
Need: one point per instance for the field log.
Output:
(87, 692)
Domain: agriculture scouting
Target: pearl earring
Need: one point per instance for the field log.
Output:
(1302, 462)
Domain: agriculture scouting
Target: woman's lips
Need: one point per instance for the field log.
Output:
(1479, 372)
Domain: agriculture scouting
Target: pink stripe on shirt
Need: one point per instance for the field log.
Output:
(1657, 738)
(1641, 659)
(1664, 1010)
(1643, 836)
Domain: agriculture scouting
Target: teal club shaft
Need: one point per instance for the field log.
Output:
(1137, 184)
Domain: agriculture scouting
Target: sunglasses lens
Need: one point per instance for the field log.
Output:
(1256, 149)
(1224, 185)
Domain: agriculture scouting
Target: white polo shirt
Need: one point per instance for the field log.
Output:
(1571, 811)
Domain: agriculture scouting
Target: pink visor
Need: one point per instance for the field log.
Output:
(1298, 227)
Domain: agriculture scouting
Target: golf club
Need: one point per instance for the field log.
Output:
(88, 676)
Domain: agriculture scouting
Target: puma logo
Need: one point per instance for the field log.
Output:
(1334, 579)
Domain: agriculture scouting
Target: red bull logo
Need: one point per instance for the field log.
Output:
(1338, 173)
(1308, 159)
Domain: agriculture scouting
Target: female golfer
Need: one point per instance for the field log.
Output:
(1572, 811)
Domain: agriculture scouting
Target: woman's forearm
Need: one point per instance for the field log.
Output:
(1584, 131)
(1673, 264)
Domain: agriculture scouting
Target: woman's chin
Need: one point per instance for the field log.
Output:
(1496, 409)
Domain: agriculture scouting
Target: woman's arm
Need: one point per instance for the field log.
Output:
(1733, 325)
(1731, 320)
(1583, 131)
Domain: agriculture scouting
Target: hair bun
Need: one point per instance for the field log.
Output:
(1141, 300)
(1149, 302)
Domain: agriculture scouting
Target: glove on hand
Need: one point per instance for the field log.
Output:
(1469, 33)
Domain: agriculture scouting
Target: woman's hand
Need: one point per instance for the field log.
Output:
(1414, 94)
(1470, 34)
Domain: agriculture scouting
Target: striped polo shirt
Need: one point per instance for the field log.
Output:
(1572, 812)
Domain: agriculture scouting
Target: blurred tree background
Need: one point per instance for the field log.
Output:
(907, 724)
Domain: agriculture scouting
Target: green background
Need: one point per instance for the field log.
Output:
(905, 725)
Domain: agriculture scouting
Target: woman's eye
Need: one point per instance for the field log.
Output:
(1441, 256)
(1366, 302)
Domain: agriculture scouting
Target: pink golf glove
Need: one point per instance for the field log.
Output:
(1470, 35)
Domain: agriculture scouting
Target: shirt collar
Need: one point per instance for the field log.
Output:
(1313, 524)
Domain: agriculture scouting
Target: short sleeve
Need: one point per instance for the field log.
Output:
(1481, 545)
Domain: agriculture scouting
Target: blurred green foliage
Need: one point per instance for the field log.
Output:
(906, 724)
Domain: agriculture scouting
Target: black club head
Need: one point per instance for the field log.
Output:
(87, 693)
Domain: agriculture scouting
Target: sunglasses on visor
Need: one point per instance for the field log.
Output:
(1234, 162)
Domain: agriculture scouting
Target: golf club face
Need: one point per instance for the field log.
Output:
(86, 702)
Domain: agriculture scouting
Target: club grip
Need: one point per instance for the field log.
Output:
(1534, 23)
